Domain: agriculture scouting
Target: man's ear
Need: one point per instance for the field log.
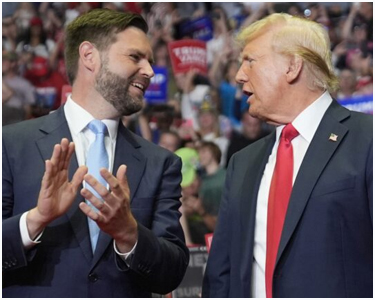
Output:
(294, 68)
(89, 56)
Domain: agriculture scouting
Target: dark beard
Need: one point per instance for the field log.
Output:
(115, 90)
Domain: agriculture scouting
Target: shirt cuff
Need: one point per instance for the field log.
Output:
(126, 257)
(27, 242)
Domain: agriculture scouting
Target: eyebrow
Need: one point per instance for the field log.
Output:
(143, 55)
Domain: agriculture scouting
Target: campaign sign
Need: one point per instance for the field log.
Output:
(157, 90)
(208, 237)
(45, 96)
(362, 103)
(187, 55)
(198, 29)
(191, 285)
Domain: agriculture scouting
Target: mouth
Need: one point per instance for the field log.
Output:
(247, 93)
(141, 86)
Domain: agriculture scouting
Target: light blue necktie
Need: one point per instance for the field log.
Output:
(97, 158)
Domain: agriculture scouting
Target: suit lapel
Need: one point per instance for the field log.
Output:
(126, 153)
(317, 157)
(56, 128)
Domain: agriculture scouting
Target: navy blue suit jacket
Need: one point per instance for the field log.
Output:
(326, 248)
(63, 265)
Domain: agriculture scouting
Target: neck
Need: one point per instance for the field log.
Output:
(93, 102)
(35, 40)
(205, 131)
(295, 104)
(212, 168)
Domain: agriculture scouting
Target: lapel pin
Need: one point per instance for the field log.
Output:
(333, 137)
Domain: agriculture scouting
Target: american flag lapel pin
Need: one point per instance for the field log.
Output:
(333, 137)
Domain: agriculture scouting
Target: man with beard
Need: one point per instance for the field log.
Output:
(109, 228)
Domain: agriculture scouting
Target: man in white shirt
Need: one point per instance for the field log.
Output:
(48, 201)
(310, 236)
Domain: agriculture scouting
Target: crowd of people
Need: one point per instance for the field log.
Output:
(204, 119)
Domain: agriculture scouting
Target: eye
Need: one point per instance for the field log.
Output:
(135, 57)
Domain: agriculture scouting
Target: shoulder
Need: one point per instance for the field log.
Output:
(359, 125)
(151, 150)
(256, 148)
(251, 155)
(354, 121)
(360, 120)
(35, 128)
(24, 129)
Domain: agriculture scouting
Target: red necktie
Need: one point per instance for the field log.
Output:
(280, 190)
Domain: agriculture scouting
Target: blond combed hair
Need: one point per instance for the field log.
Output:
(295, 36)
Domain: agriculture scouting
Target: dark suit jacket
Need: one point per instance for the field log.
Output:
(63, 265)
(326, 245)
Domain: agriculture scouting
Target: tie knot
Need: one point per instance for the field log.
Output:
(289, 132)
(97, 126)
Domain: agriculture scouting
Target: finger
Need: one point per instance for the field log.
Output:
(98, 187)
(121, 176)
(56, 154)
(87, 210)
(64, 151)
(46, 180)
(71, 148)
(112, 181)
(78, 177)
(123, 180)
(97, 203)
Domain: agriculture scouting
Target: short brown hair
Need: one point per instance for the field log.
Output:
(213, 148)
(99, 27)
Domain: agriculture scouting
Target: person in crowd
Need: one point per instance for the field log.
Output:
(347, 84)
(10, 114)
(36, 40)
(162, 60)
(212, 183)
(232, 101)
(23, 96)
(296, 217)
(24, 13)
(9, 34)
(210, 128)
(154, 120)
(110, 227)
(193, 223)
(48, 82)
(193, 90)
(252, 129)
(170, 140)
(221, 33)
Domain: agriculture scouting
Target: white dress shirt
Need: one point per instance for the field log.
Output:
(306, 124)
(78, 119)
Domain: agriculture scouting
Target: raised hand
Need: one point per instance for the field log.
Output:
(114, 215)
(56, 193)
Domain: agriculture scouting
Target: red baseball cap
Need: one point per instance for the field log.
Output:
(35, 21)
(40, 66)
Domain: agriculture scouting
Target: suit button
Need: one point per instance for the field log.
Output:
(93, 277)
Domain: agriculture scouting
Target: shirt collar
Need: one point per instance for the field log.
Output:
(308, 120)
(78, 118)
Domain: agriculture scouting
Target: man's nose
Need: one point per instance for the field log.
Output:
(146, 69)
(241, 76)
